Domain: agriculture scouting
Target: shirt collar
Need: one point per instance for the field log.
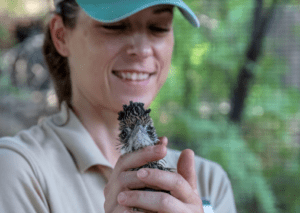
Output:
(77, 139)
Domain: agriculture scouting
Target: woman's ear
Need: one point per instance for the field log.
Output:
(59, 35)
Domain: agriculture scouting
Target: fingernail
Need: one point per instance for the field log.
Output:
(122, 197)
(142, 173)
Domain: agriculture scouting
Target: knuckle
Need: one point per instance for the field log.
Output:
(122, 164)
(121, 178)
(145, 154)
(135, 195)
(106, 206)
(146, 150)
(121, 158)
(125, 209)
(166, 201)
(156, 152)
(106, 190)
(179, 181)
(161, 151)
(132, 197)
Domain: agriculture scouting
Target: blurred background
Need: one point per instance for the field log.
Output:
(232, 94)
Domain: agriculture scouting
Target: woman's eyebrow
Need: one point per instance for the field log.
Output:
(162, 10)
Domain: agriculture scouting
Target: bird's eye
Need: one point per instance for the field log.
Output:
(124, 134)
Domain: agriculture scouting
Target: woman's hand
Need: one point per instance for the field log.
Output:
(123, 180)
(182, 185)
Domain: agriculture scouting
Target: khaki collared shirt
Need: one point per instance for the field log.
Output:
(49, 168)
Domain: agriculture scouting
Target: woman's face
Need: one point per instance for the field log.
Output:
(112, 64)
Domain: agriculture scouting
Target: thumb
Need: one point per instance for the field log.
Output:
(186, 168)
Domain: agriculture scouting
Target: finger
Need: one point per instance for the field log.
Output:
(140, 157)
(169, 181)
(126, 180)
(163, 140)
(124, 209)
(186, 168)
(130, 181)
(116, 209)
(141, 210)
(151, 201)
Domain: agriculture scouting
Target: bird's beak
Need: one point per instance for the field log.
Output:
(141, 137)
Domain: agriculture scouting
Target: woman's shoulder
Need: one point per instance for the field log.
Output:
(25, 140)
(22, 148)
(14, 163)
(29, 145)
(21, 173)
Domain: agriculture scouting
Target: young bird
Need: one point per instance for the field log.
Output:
(137, 132)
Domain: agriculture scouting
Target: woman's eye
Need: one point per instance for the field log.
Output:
(159, 29)
(114, 27)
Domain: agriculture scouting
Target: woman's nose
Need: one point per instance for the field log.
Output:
(140, 46)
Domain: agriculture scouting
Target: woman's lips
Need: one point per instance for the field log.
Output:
(132, 75)
(133, 84)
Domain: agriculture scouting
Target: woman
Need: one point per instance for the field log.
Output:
(103, 55)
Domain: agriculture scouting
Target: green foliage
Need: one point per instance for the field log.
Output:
(3, 32)
(297, 30)
(4, 35)
(5, 86)
(188, 110)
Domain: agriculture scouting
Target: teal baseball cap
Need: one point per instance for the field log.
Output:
(109, 11)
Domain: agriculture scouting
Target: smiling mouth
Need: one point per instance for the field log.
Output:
(132, 76)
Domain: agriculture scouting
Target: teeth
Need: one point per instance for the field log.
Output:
(123, 75)
(133, 76)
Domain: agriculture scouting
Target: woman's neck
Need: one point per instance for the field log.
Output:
(103, 126)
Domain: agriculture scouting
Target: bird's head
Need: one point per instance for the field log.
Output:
(136, 127)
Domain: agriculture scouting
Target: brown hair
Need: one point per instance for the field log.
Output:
(58, 65)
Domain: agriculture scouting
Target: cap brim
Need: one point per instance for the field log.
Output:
(109, 11)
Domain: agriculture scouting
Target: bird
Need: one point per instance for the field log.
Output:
(137, 131)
